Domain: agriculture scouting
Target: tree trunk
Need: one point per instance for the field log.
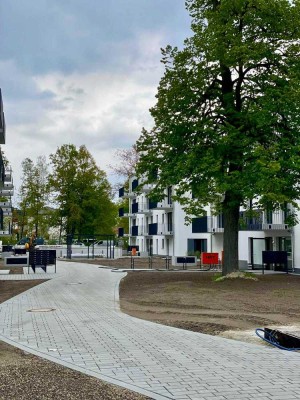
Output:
(231, 211)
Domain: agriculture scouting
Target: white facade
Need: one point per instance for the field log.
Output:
(160, 229)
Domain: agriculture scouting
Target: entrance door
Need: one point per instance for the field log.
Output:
(149, 244)
(258, 246)
(285, 244)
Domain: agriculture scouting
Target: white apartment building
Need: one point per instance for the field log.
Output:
(160, 229)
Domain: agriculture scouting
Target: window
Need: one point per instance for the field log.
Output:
(170, 222)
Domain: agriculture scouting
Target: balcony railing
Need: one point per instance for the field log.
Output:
(7, 213)
(275, 220)
(152, 229)
(140, 208)
(147, 187)
(125, 194)
(165, 229)
(8, 175)
(152, 205)
(162, 205)
(6, 192)
(5, 204)
(8, 185)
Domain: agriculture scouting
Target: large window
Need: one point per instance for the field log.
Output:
(197, 246)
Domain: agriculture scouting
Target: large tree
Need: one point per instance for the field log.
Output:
(33, 197)
(81, 192)
(226, 121)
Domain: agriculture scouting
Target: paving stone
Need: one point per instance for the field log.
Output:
(86, 331)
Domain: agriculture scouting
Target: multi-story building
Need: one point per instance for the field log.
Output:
(6, 184)
(159, 228)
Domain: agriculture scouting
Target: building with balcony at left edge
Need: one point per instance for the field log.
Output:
(6, 183)
(159, 228)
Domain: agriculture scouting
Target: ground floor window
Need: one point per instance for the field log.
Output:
(196, 246)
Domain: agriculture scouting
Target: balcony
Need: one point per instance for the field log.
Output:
(147, 187)
(166, 204)
(6, 193)
(140, 208)
(6, 208)
(275, 220)
(152, 229)
(7, 213)
(7, 186)
(138, 230)
(152, 205)
(5, 204)
(8, 175)
(165, 229)
(121, 233)
(126, 195)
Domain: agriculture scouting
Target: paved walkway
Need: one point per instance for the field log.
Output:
(86, 331)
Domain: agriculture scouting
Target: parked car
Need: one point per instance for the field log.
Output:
(77, 243)
(103, 243)
(21, 243)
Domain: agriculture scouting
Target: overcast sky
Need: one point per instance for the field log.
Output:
(82, 72)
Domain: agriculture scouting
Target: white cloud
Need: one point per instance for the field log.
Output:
(103, 111)
(82, 73)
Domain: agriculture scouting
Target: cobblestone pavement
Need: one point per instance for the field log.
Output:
(75, 321)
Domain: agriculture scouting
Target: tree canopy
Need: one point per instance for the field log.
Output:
(33, 196)
(226, 121)
(81, 192)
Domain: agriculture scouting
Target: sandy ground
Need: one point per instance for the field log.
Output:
(188, 300)
(194, 301)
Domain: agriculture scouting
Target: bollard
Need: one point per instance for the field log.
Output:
(150, 262)
(132, 262)
(167, 263)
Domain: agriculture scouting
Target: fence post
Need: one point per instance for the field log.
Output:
(69, 246)
(167, 262)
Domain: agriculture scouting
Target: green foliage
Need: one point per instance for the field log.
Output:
(227, 112)
(81, 192)
(33, 197)
(8, 240)
(196, 253)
